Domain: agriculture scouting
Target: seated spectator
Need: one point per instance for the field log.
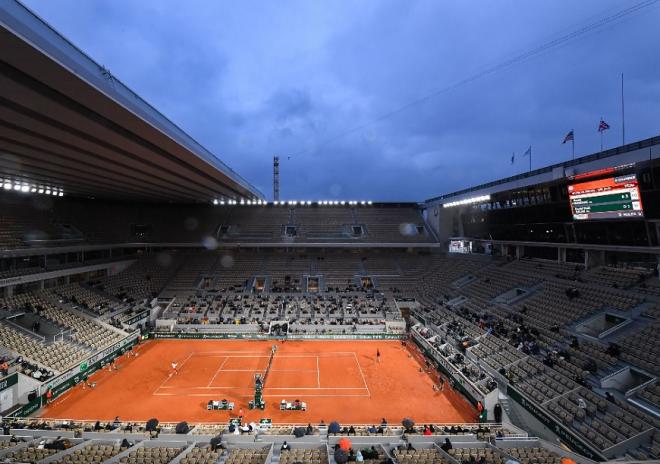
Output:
(285, 446)
(372, 429)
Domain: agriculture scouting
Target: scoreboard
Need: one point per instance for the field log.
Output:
(614, 197)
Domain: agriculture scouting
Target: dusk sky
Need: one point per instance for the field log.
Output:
(340, 86)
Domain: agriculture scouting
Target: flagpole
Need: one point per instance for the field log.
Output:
(623, 115)
(601, 134)
(530, 158)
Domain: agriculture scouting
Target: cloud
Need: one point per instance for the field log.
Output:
(250, 80)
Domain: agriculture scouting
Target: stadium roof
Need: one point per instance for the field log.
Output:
(66, 122)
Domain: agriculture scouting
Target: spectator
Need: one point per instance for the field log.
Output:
(446, 446)
(497, 413)
(285, 446)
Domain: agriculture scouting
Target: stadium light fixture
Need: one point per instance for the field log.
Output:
(370, 202)
(467, 201)
(7, 186)
(61, 193)
(215, 201)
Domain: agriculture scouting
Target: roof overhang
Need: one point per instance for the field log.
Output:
(66, 122)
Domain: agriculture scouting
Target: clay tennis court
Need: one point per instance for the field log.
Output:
(339, 380)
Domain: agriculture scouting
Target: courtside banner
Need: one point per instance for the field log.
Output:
(28, 408)
(138, 317)
(8, 381)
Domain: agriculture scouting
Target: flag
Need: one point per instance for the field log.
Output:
(569, 137)
(603, 126)
(513, 158)
(528, 152)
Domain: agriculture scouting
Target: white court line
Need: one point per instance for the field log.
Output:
(170, 376)
(318, 373)
(217, 372)
(315, 388)
(320, 396)
(270, 388)
(269, 396)
(362, 373)
(230, 351)
(272, 370)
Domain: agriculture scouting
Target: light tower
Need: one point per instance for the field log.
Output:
(276, 178)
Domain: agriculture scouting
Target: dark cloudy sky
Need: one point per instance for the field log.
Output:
(314, 78)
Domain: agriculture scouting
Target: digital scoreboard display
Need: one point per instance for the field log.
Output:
(615, 197)
(460, 246)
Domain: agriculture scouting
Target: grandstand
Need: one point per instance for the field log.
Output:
(163, 284)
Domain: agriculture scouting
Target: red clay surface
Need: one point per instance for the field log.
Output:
(339, 380)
